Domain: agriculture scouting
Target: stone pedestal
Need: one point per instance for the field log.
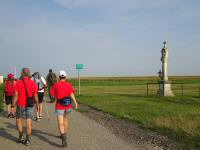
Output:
(165, 88)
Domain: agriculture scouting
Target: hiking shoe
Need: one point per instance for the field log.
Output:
(9, 116)
(21, 139)
(37, 119)
(40, 116)
(64, 140)
(12, 115)
(27, 142)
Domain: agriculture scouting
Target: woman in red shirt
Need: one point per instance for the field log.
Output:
(9, 93)
(63, 92)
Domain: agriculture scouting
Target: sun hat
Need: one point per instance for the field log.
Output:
(11, 76)
(62, 73)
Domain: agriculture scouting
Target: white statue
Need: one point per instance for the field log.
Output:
(164, 84)
(164, 60)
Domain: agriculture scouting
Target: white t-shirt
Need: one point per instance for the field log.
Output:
(43, 81)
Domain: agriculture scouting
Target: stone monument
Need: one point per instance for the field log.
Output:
(164, 83)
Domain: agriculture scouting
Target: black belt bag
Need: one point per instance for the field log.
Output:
(66, 101)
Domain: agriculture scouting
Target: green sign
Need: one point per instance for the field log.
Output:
(79, 66)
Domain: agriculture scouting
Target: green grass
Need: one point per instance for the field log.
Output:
(177, 117)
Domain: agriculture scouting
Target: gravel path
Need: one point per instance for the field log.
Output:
(84, 134)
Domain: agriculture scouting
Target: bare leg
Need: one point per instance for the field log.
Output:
(36, 110)
(37, 113)
(61, 127)
(40, 108)
(9, 108)
(28, 131)
(66, 123)
(29, 126)
(19, 125)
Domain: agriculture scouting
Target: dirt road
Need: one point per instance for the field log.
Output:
(84, 134)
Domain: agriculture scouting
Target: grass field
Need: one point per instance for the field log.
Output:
(177, 117)
(125, 97)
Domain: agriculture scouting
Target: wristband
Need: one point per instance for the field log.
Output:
(12, 106)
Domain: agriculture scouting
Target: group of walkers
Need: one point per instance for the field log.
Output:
(26, 94)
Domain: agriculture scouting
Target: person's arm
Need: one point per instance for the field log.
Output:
(74, 100)
(14, 102)
(36, 99)
(35, 94)
(15, 98)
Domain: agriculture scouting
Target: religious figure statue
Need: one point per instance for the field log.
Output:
(164, 52)
(164, 60)
(164, 83)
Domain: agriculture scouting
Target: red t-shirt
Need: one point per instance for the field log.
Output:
(60, 90)
(20, 88)
(9, 88)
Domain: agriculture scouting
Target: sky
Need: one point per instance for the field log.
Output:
(110, 37)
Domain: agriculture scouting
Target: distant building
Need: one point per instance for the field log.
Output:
(1, 79)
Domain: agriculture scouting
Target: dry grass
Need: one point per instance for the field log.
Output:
(180, 122)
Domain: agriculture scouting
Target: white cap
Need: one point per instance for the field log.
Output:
(62, 73)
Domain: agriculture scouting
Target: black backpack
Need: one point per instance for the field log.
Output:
(52, 78)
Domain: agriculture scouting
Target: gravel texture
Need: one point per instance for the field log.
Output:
(130, 132)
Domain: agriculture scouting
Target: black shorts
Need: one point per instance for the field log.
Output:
(8, 100)
(40, 96)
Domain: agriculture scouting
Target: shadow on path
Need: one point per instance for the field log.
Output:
(43, 136)
(5, 134)
(3, 114)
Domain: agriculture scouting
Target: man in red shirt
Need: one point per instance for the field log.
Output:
(25, 89)
(9, 92)
(63, 92)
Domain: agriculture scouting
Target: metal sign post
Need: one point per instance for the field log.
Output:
(79, 82)
(79, 67)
